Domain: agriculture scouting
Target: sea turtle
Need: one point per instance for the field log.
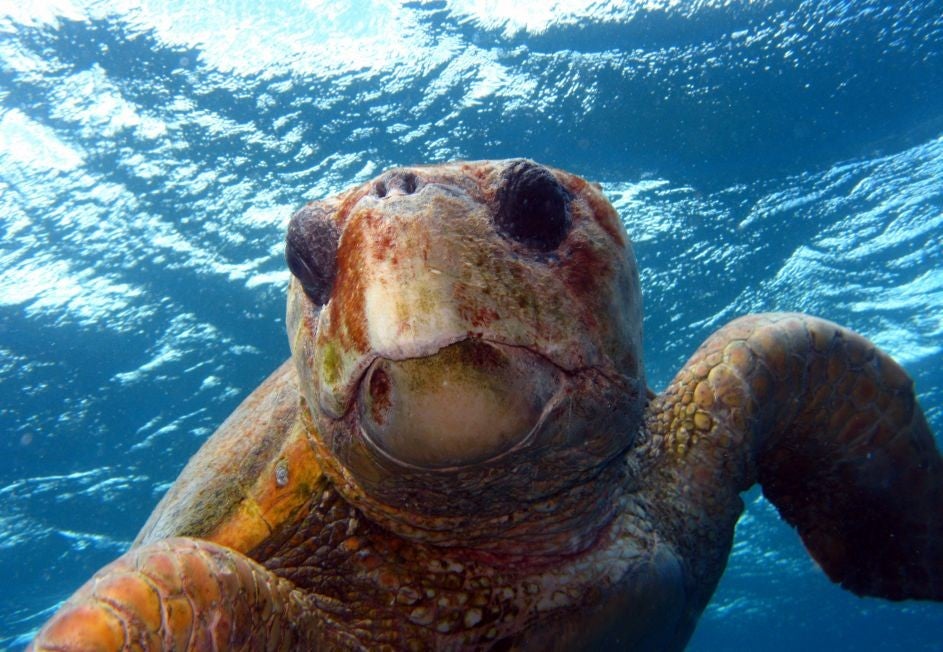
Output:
(463, 452)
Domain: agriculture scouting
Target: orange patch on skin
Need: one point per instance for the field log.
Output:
(351, 544)
(179, 620)
(202, 587)
(348, 202)
(163, 570)
(85, 627)
(243, 529)
(132, 594)
(269, 502)
(346, 309)
(384, 245)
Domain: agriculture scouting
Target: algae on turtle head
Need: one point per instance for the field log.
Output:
(462, 452)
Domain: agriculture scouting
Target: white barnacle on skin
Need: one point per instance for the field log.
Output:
(281, 474)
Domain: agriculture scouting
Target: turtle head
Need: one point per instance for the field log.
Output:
(468, 339)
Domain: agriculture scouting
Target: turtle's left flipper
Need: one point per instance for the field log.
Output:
(828, 424)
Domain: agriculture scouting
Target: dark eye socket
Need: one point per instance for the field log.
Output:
(532, 206)
(311, 251)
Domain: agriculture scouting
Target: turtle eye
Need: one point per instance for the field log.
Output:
(311, 251)
(532, 206)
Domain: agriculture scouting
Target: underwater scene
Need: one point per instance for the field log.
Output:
(763, 156)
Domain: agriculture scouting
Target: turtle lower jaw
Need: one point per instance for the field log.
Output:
(482, 445)
(468, 403)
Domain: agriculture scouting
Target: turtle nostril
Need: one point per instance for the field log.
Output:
(410, 182)
(311, 251)
(532, 206)
(397, 182)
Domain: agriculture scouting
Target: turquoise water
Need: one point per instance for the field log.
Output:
(764, 156)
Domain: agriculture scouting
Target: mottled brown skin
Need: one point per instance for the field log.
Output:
(345, 506)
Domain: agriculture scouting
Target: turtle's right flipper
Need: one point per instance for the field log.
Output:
(181, 594)
(829, 426)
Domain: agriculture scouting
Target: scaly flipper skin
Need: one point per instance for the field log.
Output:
(182, 594)
(828, 424)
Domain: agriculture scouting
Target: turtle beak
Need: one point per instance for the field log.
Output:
(466, 404)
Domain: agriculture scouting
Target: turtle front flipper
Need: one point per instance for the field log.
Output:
(182, 594)
(829, 426)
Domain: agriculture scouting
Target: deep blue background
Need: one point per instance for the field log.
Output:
(776, 155)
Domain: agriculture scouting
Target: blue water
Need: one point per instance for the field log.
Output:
(771, 155)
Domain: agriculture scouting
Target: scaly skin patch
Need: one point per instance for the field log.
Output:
(499, 301)
(388, 593)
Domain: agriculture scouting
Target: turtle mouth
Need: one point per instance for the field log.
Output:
(469, 402)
